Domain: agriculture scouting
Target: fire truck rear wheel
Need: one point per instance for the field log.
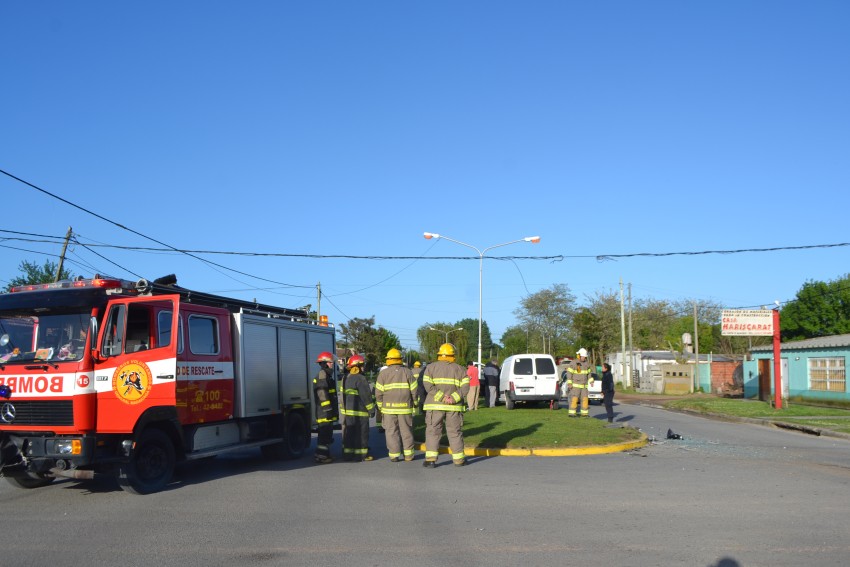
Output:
(295, 443)
(31, 480)
(297, 437)
(151, 465)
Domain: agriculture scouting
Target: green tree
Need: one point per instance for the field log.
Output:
(430, 340)
(598, 325)
(515, 340)
(651, 320)
(32, 273)
(548, 316)
(708, 314)
(820, 309)
(469, 339)
(360, 336)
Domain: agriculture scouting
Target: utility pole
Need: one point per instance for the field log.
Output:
(623, 337)
(631, 351)
(62, 256)
(319, 304)
(696, 348)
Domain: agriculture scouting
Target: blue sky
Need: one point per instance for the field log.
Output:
(350, 128)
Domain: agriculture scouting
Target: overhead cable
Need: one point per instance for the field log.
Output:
(137, 233)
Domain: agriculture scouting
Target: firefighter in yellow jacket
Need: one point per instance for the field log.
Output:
(395, 394)
(357, 406)
(447, 385)
(579, 377)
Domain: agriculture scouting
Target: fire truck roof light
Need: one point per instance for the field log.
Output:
(102, 283)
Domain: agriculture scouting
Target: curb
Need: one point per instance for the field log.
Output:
(550, 452)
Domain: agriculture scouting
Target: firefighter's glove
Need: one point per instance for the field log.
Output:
(372, 413)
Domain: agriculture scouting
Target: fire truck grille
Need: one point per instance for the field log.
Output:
(44, 413)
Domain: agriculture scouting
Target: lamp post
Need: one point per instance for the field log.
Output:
(532, 239)
(447, 333)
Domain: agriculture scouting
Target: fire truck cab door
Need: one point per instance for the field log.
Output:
(137, 360)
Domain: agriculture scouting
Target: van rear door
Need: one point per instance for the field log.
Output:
(523, 377)
(546, 382)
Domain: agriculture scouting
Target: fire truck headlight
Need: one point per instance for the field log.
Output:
(68, 447)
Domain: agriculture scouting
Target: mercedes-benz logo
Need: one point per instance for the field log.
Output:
(7, 413)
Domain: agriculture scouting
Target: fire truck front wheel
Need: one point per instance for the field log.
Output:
(151, 464)
(29, 480)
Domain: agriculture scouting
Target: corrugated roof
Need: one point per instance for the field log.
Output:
(832, 341)
(668, 355)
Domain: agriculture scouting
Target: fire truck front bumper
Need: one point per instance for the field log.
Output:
(45, 455)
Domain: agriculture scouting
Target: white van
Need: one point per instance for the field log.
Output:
(529, 378)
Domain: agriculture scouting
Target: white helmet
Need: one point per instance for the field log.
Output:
(582, 352)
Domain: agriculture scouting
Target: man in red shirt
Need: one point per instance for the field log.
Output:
(474, 386)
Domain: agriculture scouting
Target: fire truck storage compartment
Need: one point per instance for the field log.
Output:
(273, 363)
(212, 436)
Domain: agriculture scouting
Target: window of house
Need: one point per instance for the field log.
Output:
(203, 335)
(827, 374)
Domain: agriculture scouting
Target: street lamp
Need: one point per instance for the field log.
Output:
(447, 333)
(532, 239)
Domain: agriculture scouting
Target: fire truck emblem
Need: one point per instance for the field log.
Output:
(7, 413)
(132, 382)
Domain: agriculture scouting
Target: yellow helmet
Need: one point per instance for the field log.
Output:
(447, 350)
(417, 364)
(393, 356)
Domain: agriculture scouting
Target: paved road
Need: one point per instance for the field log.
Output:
(724, 495)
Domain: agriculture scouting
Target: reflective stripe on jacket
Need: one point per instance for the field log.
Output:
(445, 380)
(356, 396)
(324, 394)
(395, 390)
(578, 378)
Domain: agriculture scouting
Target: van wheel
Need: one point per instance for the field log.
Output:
(151, 465)
(29, 480)
(509, 402)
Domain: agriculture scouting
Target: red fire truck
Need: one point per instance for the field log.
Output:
(130, 378)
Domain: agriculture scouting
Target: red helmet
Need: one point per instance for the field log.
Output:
(356, 360)
(325, 357)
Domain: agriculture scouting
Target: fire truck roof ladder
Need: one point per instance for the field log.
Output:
(212, 300)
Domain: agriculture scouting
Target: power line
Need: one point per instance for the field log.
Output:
(552, 258)
(604, 257)
(129, 271)
(137, 233)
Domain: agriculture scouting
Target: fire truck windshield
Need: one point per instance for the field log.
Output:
(47, 336)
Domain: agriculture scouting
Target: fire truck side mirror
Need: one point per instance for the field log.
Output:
(95, 351)
(97, 355)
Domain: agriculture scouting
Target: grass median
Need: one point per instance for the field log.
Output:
(752, 408)
(817, 417)
(532, 427)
